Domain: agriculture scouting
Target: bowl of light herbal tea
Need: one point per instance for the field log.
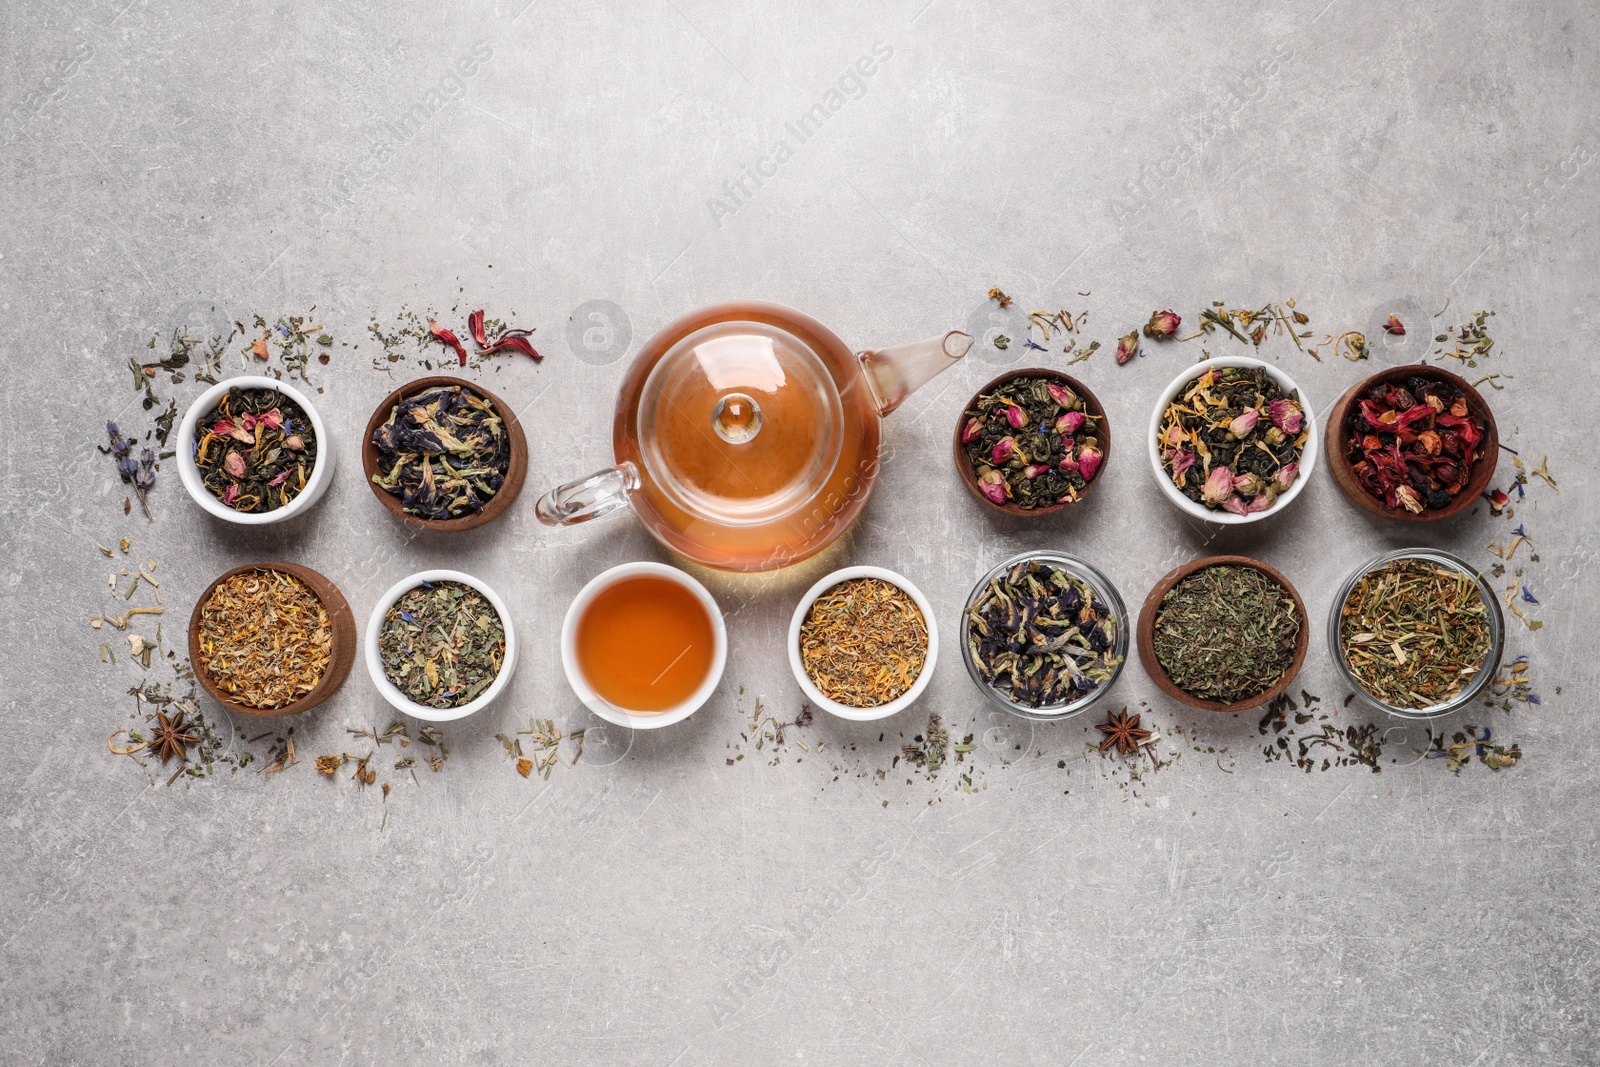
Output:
(1223, 633)
(862, 643)
(1417, 633)
(1412, 443)
(271, 639)
(440, 645)
(1031, 442)
(1232, 440)
(1044, 635)
(253, 450)
(441, 453)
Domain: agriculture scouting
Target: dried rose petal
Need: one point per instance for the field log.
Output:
(1285, 415)
(1174, 435)
(1497, 500)
(1244, 422)
(1248, 484)
(1127, 347)
(1395, 326)
(1286, 475)
(1015, 417)
(970, 431)
(445, 337)
(1069, 462)
(1089, 462)
(1219, 485)
(1033, 470)
(1236, 504)
(230, 494)
(1003, 450)
(294, 442)
(1162, 324)
(1259, 502)
(272, 419)
(1070, 422)
(1061, 394)
(234, 464)
(992, 485)
(282, 476)
(1182, 460)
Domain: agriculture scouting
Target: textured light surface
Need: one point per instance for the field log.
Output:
(653, 904)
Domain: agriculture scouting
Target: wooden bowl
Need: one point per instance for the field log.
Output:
(1337, 437)
(340, 621)
(516, 471)
(1147, 627)
(1092, 408)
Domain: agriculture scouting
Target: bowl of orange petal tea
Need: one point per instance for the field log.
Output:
(271, 639)
(862, 643)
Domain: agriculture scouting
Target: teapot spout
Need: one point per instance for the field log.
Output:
(895, 373)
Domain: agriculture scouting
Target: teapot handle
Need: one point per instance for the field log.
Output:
(589, 498)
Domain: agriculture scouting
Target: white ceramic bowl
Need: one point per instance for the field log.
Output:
(189, 473)
(845, 711)
(1308, 454)
(641, 720)
(375, 663)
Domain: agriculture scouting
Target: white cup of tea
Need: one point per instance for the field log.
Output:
(644, 645)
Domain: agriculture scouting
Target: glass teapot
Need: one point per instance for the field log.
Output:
(746, 435)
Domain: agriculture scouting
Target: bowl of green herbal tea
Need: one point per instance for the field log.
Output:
(1031, 442)
(862, 643)
(1044, 635)
(1223, 633)
(440, 645)
(271, 639)
(1232, 440)
(1417, 633)
(253, 450)
(444, 454)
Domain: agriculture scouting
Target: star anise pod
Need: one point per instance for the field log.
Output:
(1123, 732)
(173, 736)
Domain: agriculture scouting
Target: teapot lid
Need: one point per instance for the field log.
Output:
(740, 423)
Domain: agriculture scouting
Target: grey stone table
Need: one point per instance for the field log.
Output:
(599, 169)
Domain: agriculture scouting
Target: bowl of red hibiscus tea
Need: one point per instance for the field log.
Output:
(1032, 442)
(441, 453)
(863, 643)
(271, 639)
(1044, 635)
(1412, 443)
(253, 450)
(1223, 633)
(1417, 633)
(440, 645)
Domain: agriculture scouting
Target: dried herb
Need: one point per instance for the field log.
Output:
(1252, 325)
(138, 472)
(1411, 446)
(444, 452)
(442, 645)
(1468, 342)
(1226, 633)
(1314, 737)
(1231, 439)
(255, 450)
(1123, 733)
(1463, 746)
(265, 639)
(1041, 637)
(999, 296)
(1414, 633)
(864, 642)
(1032, 443)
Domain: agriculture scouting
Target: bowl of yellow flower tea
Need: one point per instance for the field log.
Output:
(862, 643)
(271, 639)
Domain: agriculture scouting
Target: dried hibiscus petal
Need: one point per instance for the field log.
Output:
(1411, 445)
(445, 337)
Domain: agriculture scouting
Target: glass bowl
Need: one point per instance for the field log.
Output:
(1491, 659)
(1103, 590)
